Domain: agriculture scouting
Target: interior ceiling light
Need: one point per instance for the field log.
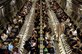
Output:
(80, 7)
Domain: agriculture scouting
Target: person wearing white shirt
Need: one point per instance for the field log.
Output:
(74, 32)
(4, 36)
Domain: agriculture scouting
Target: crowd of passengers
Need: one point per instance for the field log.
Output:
(9, 38)
(48, 40)
(71, 31)
(32, 44)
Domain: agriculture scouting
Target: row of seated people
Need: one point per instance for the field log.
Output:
(72, 32)
(9, 38)
(58, 10)
(26, 9)
(32, 44)
(48, 42)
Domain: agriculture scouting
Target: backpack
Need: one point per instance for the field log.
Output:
(51, 50)
(45, 50)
